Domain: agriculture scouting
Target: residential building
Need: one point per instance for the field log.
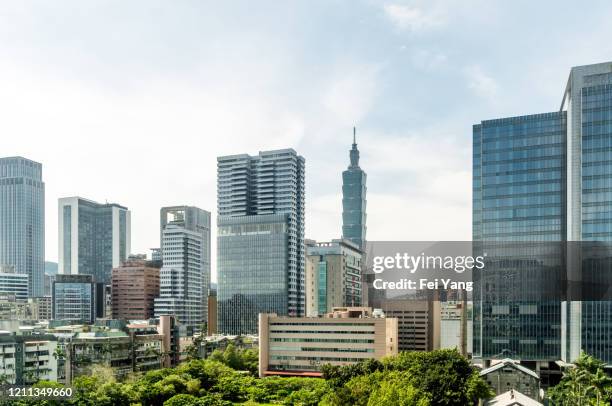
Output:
(12, 283)
(22, 220)
(77, 298)
(544, 178)
(12, 309)
(300, 345)
(507, 374)
(147, 346)
(135, 285)
(260, 238)
(197, 221)
(93, 237)
(170, 331)
(26, 359)
(333, 276)
(181, 290)
(41, 308)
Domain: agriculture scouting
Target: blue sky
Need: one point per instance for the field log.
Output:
(131, 101)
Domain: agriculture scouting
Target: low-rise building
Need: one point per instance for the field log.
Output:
(301, 345)
(26, 359)
(40, 308)
(146, 346)
(508, 374)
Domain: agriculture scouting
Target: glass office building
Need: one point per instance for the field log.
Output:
(77, 298)
(542, 184)
(22, 220)
(260, 239)
(94, 238)
(354, 200)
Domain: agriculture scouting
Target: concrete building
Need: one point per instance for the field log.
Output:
(93, 237)
(22, 220)
(170, 331)
(12, 309)
(300, 345)
(333, 276)
(507, 375)
(418, 323)
(41, 308)
(260, 238)
(147, 346)
(181, 290)
(13, 283)
(456, 326)
(24, 360)
(135, 285)
(78, 298)
(212, 313)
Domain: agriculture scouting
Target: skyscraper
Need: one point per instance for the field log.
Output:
(544, 178)
(93, 237)
(260, 238)
(22, 220)
(354, 199)
(185, 274)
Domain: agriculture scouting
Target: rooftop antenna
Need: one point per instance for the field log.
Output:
(354, 135)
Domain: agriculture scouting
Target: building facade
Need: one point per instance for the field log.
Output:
(22, 220)
(418, 323)
(181, 277)
(77, 298)
(354, 200)
(135, 285)
(260, 239)
(542, 181)
(301, 345)
(199, 221)
(24, 360)
(93, 237)
(12, 283)
(333, 276)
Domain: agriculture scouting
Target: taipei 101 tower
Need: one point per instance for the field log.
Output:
(354, 199)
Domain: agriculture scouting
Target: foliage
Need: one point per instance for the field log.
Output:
(584, 384)
(237, 358)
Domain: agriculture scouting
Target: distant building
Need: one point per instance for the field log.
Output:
(456, 326)
(212, 313)
(181, 292)
(41, 308)
(12, 309)
(156, 254)
(93, 237)
(169, 329)
(418, 323)
(333, 276)
(147, 346)
(185, 274)
(300, 345)
(354, 200)
(507, 375)
(22, 220)
(135, 285)
(260, 238)
(27, 359)
(12, 283)
(77, 298)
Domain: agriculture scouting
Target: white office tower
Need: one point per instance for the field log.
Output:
(182, 277)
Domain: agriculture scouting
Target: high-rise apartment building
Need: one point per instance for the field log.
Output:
(333, 276)
(135, 285)
(260, 238)
(181, 290)
(544, 178)
(22, 220)
(93, 237)
(193, 219)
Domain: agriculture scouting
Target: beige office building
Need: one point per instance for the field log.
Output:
(418, 323)
(298, 346)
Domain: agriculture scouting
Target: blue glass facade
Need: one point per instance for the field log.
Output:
(546, 178)
(518, 189)
(354, 200)
(22, 220)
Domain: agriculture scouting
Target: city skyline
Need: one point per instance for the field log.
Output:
(412, 76)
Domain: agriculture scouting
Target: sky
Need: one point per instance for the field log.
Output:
(132, 101)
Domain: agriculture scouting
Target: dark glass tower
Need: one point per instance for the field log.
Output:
(354, 199)
(545, 178)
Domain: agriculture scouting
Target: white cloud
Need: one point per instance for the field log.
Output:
(415, 19)
(480, 82)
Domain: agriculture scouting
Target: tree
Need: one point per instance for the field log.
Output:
(586, 383)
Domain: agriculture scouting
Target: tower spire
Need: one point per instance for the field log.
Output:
(354, 135)
(354, 153)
